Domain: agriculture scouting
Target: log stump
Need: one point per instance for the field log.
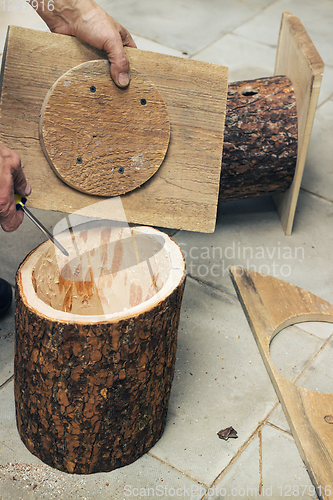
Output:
(95, 346)
(260, 138)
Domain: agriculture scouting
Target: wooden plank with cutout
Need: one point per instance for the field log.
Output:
(183, 193)
(270, 305)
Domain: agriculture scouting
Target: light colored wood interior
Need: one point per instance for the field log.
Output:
(298, 59)
(110, 272)
(270, 305)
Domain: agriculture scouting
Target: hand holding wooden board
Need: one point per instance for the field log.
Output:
(183, 193)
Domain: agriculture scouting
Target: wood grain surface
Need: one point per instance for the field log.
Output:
(100, 139)
(270, 305)
(184, 191)
(298, 58)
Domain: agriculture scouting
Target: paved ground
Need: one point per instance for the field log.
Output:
(220, 379)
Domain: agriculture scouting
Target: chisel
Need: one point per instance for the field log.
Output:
(20, 204)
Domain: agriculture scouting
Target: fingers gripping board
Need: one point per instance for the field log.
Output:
(183, 193)
(100, 139)
(270, 305)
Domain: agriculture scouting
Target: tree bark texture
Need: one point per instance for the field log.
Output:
(94, 397)
(260, 138)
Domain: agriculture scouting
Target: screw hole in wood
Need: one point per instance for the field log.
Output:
(249, 91)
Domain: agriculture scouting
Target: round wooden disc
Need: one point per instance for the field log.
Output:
(100, 139)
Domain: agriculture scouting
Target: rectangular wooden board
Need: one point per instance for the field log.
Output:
(298, 59)
(183, 194)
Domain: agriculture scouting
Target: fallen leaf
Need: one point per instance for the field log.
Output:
(227, 433)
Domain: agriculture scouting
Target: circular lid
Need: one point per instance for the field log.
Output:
(100, 139)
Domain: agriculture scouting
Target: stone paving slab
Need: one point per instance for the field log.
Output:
(318, 173)
(220, 381)
(249, 233)
(178, 24)
(254, 476)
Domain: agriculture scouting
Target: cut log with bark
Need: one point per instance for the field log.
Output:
(95, 346)
(260, 138)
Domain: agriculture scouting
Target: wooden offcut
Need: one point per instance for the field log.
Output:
(270, 305)
(297, 58)
(95, 345)
(184, 191)
(100, 139)
(260, 138)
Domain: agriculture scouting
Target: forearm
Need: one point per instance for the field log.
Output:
(89, 22)
(59, 14)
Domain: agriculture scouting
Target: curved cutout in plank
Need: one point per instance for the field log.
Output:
(270, 305)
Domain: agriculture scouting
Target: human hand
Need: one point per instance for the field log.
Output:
(12, 179)
(91, 24)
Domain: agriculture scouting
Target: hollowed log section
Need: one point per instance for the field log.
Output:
(260, 138)
(95, 346)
